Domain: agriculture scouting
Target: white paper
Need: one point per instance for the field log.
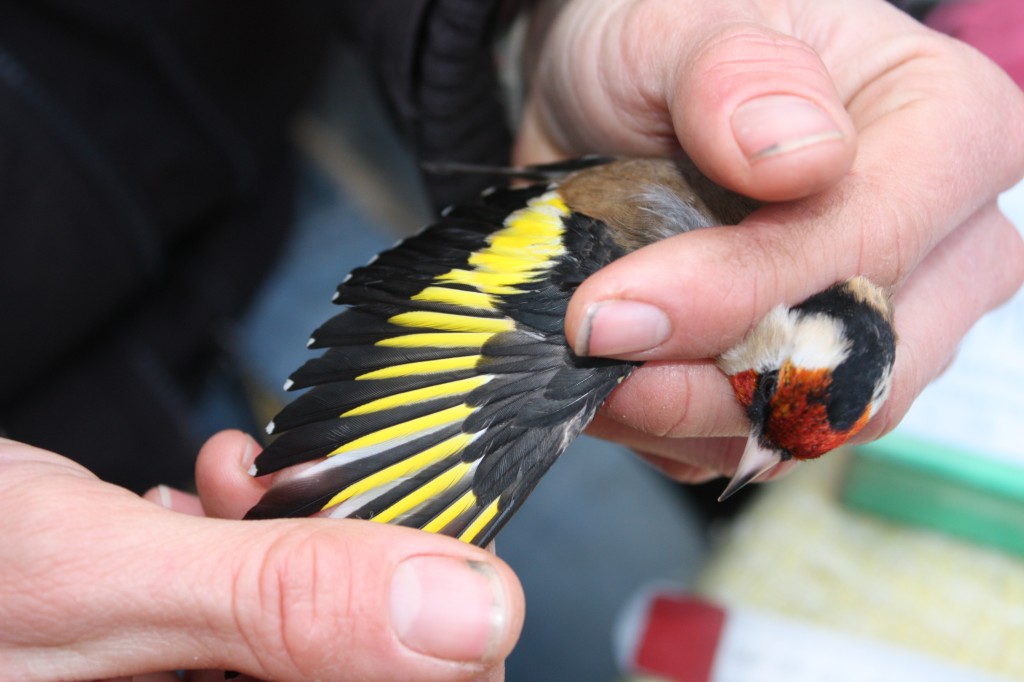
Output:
(761, 647)
(978, 404)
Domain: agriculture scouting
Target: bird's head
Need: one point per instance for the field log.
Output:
(811, 376)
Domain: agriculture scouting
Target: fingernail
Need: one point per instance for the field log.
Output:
(164, 495)
(778, 124)
(620, 328)
(448, 608)
(248, 456)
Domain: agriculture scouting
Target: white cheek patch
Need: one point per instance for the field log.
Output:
(765, 347)
(809, 341)
(819, 342)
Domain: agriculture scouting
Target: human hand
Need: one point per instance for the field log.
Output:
(886, 143)
(98, 583)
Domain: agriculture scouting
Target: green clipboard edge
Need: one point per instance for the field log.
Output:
(944, 488)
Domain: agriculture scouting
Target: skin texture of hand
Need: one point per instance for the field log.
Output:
(99, 583)
(885, 143)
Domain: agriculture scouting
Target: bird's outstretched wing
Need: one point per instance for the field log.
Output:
(447, 388)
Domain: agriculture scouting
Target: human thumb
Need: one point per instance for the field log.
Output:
(753, 106)
(760, 114)
(328, 599)
(101, 583)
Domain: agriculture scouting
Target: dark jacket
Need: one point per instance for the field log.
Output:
(146, 185)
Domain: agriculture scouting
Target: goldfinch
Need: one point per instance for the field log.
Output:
(448, 389)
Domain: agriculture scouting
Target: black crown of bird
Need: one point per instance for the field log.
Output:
(447, 388)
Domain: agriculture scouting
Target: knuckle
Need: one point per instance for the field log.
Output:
(756, 268)
(669, 401)
(894, 230)
(630, 406)
(748, 52)
(292, 604)
(657, 414)
(894, 241)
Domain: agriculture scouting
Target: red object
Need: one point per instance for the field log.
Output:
(680, 638)
(994, 27)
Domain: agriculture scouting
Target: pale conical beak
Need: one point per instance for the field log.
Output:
(756, 460)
